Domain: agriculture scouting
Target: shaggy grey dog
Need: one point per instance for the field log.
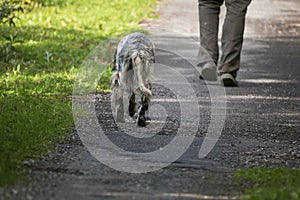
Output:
(134, 63)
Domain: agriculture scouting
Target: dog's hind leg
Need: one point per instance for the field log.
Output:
(117, 101)
(149, 86)
(141, 120)
(132, 105)
(118, 106)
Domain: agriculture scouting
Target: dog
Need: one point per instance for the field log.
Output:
(134, 62)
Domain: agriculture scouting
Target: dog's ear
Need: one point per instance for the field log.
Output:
(115, 80)
(114, 64)
(153, 53)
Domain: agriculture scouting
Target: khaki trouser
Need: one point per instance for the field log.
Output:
(232, 34)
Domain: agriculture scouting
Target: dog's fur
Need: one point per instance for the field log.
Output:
(134, 62)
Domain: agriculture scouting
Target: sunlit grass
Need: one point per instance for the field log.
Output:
(270, 183)
(39, 59)
(29, 126)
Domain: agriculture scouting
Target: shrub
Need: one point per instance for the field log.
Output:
(8, 10)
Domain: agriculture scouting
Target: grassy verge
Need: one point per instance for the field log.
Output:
(38, 66)
(270, 183)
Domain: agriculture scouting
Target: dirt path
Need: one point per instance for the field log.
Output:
(261, 126)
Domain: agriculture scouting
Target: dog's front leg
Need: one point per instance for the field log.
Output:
(117, 104)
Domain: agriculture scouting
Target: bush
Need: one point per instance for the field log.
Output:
(49, 2)
(8, 10)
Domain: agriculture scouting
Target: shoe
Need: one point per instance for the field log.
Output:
(229, 80)
(209, 73)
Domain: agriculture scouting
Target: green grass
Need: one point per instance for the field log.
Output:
(270, 183)
(38, 66)
(29, 126)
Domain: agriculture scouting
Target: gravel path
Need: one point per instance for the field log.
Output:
(261, 126)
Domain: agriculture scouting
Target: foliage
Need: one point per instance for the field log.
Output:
(41, 57)
(8, 10)
(37, 3)
(271, 183)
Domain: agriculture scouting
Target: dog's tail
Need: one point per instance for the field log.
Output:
(137, 64)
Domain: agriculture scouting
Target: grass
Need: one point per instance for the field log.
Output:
(39, 64)
(270, 183)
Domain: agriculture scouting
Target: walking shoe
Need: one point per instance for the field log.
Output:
(228, 80)
(209, 73)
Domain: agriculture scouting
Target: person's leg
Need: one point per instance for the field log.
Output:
(209, 11)
(232, 36)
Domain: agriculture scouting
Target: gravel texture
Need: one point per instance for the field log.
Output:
(261, 127)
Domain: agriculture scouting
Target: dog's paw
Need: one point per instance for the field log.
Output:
(141, 121)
